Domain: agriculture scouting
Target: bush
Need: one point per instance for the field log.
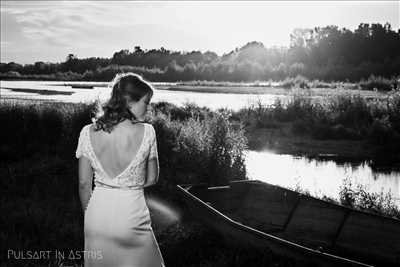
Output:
(335, 132)
(300, 127)
(299, 81)
(356, 196)
(350, 111)
(198, 150)
(378, 83)
(380, 131)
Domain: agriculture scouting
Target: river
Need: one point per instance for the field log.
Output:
(320, 178)
(53, 90)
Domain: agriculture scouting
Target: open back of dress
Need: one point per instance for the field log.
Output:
(133, 175)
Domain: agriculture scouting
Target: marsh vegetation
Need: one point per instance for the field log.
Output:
(39, 171)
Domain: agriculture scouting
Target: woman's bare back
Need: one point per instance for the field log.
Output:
(116, 150)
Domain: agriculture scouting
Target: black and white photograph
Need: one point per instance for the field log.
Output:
(200, 133)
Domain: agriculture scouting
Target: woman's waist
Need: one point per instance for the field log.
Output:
(102, 185)
(109, 198)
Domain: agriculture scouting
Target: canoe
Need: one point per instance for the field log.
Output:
(309, 230)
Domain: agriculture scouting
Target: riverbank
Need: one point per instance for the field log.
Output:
(352, 127)
(276, 90)
(282, 140)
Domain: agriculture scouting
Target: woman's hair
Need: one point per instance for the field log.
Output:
(116, 109)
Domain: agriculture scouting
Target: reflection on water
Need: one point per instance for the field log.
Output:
(318, 177)
(211, 100)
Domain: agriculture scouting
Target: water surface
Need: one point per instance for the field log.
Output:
(319, 178)
(211, 100)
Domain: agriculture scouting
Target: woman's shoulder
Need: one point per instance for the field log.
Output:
(85, 129)
(150, 127)
(83, 141)
(148, 124)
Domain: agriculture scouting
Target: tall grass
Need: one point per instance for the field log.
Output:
(357, 196)
(336, 117)
(48, 127)
(379, 83)
(38, 168)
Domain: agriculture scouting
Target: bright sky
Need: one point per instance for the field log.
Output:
(48, 31)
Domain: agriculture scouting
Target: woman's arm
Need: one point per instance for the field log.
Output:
(85, 181)
(153, 171)
(153, 167)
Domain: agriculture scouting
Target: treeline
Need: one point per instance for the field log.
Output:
(325, 53)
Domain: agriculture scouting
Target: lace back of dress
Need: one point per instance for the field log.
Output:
(134, 174)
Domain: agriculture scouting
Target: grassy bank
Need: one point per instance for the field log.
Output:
(351, 126)
(371, 88)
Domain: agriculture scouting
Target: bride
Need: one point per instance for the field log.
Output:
(120, 149)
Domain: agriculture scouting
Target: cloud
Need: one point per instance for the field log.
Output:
(49, 30)
(86, 29)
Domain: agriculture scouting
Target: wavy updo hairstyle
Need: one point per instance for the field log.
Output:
(116, 109)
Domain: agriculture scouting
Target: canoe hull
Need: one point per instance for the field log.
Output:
(221, 217)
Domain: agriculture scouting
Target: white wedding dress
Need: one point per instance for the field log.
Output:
(117, 225)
